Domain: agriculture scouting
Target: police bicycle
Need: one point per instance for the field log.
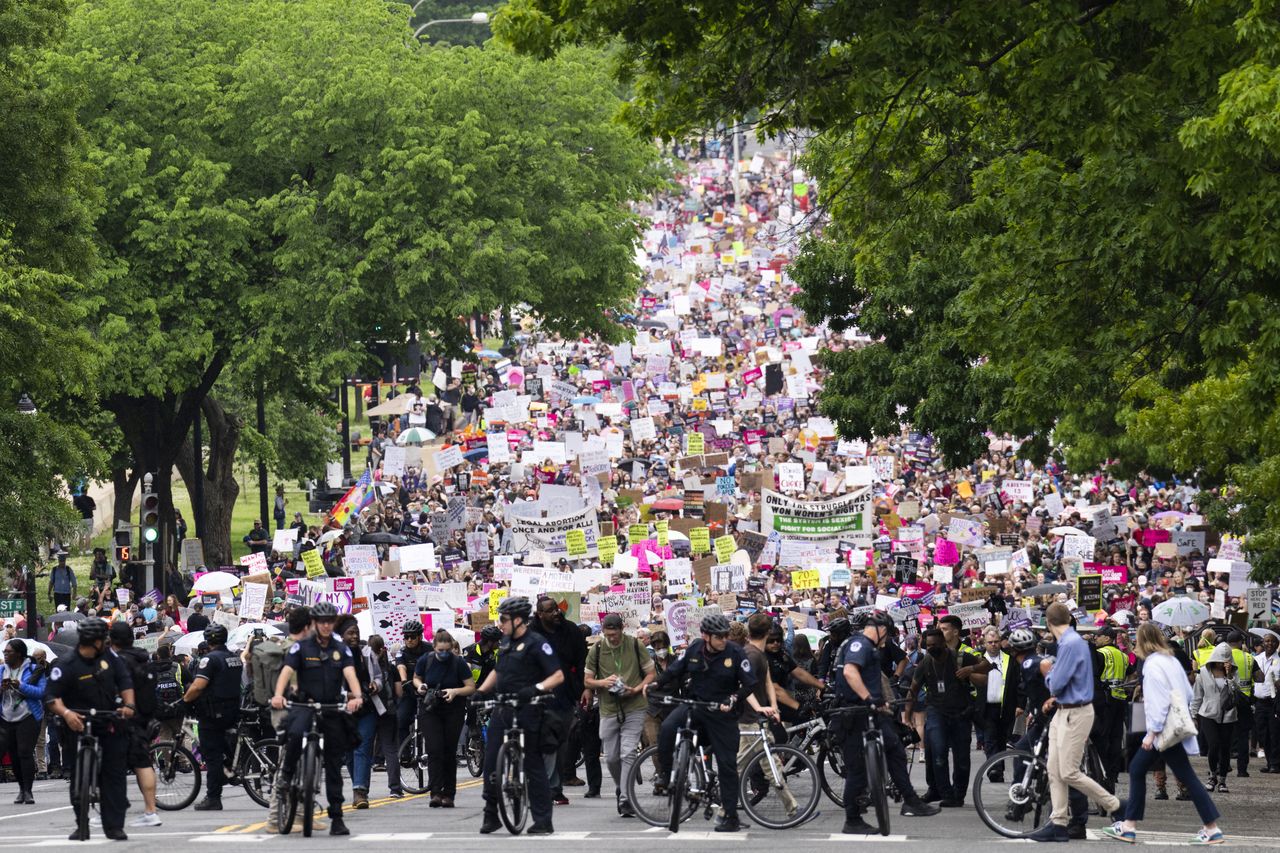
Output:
(877, 769)
(412, 754)
(818, 736)
(1011, 788)
(84, 784)
(513, 787)
(304, 788)
(779, 783)
(252, 763)
(691, 783)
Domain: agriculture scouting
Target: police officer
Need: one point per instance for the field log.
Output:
(527, 667)
(711, 670)
(86, 679)
(861, 685)
(324, 665)
(1110, 705)
(215, 695)
(406, 662)
(482, 655)
(838, 631)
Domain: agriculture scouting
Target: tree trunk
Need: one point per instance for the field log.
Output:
(220, 486)
(126, 484)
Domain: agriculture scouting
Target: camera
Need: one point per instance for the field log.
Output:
(618, 687)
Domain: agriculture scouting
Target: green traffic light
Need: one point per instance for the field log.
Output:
(150, 534)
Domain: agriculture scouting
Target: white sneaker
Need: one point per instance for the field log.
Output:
(146, 819)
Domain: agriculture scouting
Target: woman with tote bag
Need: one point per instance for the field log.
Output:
(1170, 733)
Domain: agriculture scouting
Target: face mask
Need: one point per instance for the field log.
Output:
(660, 654)
(937, 651)
(445, 655)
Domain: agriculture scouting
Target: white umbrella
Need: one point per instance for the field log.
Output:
(1123, 616)
(214, 582)
(188, 643)
(1262, 632)
(239, 636)
(1067, 531)
(33, 646)
(398, 405)
(328, 536)
(1180, 613)
(415, 435)
(676, 536)
(815, 636)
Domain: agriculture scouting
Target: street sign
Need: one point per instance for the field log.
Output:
(11, 606)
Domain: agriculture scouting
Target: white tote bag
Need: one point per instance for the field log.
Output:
(1178, 725)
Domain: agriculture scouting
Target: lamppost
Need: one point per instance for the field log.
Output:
(480, 19)
(27, 407)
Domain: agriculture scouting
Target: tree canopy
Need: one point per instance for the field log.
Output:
(1054, 218)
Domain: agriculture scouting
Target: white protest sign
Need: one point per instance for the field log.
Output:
(393, 461)
(253, 601)
(361, 559)
(282, 541)
(417, 558)
(791, 477)
(499, 449)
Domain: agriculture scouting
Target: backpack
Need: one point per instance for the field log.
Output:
(267, 659)
(167, 681)
(144, 685)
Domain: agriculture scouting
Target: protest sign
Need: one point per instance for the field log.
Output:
(700, 540)
(548, 534)
(282, 541)
(805, 579)
(253, 601)
(845, 517)
(1089, 592)
(418, 558)
(315, 565)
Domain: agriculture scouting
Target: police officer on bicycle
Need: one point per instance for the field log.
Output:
(406, 662)
(860, 685)
(527, 667)
(214, 693)
(87, 678)
(324, 666)
(711, 670)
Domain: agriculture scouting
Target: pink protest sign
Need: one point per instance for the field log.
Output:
(1152, 538)
(945, 553)
(749, 376)
(915, 590)
(344, 585)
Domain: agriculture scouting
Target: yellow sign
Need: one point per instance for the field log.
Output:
(663, 528)
(700, 540)
(315, 566)
(575, 541)
(495, 598)
(725, 546)
(805, 579)
(965, 490)
(637, 533)
(697, 444)
(700, 404)
(608, 546)
(987, 474)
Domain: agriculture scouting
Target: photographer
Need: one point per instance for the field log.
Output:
(442, 678)
(618, 666)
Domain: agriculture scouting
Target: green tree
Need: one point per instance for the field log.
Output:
(47, 200)
(1052, 218)
(280, 179)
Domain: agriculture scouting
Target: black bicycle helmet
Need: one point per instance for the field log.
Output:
(491, 633)
(715, 625)
(518, 607)
(839, 628)
(1022, 640)
(216, 635)
(121, 634)
(412, 628)
(92, 629)
(323, 610)
(880, 619)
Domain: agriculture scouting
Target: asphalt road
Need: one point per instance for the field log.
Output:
(1249, 819)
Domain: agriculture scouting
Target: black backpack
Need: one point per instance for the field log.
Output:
(166, 678)
(144, 685)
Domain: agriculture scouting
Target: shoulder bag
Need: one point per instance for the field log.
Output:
(1178, 725)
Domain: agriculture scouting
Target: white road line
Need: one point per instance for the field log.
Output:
(221, 837)
(840, 836)
(392, 836)
(41, 811)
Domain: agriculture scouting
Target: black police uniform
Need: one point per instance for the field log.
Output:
(408, 705)
(863, 653)
(95, 683)
(218, 711)
(321, 678)
(523, 663)
(708, 676)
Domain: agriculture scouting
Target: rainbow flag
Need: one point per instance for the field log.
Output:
(357, 498)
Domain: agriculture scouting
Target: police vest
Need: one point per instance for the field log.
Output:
(1244, 670)
(1114, 664)
(1202, 655)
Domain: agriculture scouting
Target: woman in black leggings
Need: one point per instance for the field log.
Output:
(21, 708)
(442, 679)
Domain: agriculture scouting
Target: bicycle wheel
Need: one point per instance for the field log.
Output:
(86, 781)
(679, 783)
(287, 807)
(308, 784)
(831, 773)
(1091, 764)
(177, 776)
(413, 764)
(513, 798)
(646, 790)
(876, 778)
(257, 771)
(475, 756)
(1011, 793)
(782, 792)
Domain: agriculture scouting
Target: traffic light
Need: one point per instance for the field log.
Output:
(150, 514)
(124, 543)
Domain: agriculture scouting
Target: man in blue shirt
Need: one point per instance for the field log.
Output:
(1070, 683)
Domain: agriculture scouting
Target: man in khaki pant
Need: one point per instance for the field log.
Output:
(1070, 682)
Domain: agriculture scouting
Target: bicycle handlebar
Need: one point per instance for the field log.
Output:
(692, 703)
(94, 714)
(510, 700)
(317, 706)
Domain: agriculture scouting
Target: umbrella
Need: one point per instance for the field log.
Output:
(1046, 589)
(669, 504)
(1262, 632)
(1180, 613)
(59, 649)
(1067, 531)
(188, 643)
(676, 536)
(329, 535)
(651, 324)
(67, 636)
(395, 406)
(239, 636)
(488, 353)
(1124, 617)
(214, 582)
(33, 646)
(415, 435)
(383, 539)
(1169, 513)
(67, 616)
(585, 400)
(476, 453)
